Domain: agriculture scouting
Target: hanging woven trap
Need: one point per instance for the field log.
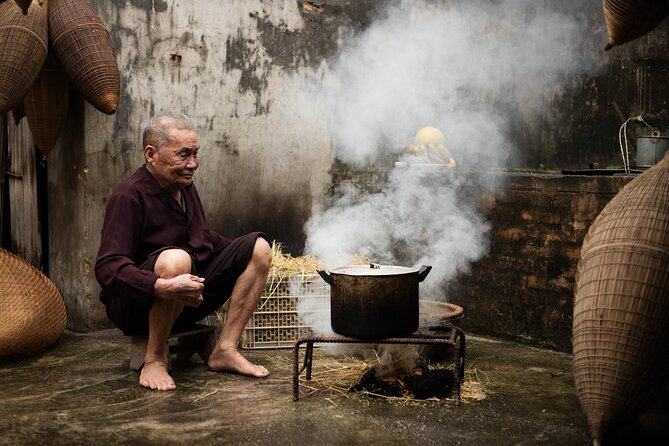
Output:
(84, 48)
(627, 20)
(23, 47)
(32, 312)
(46, 104)
(621, 304)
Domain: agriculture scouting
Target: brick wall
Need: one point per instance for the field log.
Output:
(523, 289)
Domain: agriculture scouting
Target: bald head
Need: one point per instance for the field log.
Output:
(157, 132)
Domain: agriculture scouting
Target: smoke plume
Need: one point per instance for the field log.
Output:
(467, 68)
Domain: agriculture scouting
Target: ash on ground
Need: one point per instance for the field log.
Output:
(422, 383)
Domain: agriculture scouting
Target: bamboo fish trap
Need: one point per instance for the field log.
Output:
(84, 48)
(627, 20)
(32, 312)
(23, 47)
(621, 304)
(46, 104)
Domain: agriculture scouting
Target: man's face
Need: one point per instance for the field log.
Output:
(174, 164)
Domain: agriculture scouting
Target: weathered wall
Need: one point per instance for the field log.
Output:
(230, 65)
(235, 66)
(524, 288)
(581, 116)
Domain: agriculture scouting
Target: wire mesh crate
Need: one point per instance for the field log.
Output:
(286, 310)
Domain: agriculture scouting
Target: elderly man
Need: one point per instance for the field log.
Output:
(159, 266)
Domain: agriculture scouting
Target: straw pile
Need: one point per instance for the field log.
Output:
(621, 304)
(285, 266)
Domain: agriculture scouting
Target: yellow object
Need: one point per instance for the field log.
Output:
(429, 148)
(432, 154)
(430, 135)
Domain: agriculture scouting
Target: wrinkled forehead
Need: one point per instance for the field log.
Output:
(183, 138)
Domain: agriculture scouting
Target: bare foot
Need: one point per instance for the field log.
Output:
(233, 362)
(154, 376)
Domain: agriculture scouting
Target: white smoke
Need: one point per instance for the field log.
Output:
(459, 66)
(466, 68)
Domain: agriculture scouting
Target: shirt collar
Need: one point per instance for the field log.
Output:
(153, 187)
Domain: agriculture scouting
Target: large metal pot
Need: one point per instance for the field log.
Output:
(374, 301)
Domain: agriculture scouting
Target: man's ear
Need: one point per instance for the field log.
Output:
(149, 152)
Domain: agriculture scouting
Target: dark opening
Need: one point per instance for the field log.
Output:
(43, 207)
(6, 236)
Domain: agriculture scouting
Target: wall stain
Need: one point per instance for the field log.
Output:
(228, 145)
(158, 5)
(319, 38)
(243, 55)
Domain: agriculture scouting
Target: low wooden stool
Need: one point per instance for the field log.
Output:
(201, 339)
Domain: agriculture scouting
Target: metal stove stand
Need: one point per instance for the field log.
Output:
(453, 337)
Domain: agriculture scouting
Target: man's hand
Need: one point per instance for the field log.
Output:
(185, 288)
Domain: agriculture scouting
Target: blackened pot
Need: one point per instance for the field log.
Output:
(374, 301)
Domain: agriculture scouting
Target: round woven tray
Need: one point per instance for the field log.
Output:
(435, 315)
(32, 312)
(621, 304)
(23, 48)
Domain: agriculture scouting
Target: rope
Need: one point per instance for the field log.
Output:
(622, 132)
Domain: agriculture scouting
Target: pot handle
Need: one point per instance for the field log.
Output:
(423, 272)
(325, 275)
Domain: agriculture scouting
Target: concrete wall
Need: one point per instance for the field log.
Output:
(236, 68)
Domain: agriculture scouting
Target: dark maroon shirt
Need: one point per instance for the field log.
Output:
(142, 217)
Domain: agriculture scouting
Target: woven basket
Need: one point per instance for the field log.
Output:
(32, 312)
(23, 48)
(627, 20)
(85, 50)
(46, 104)
(621, 305)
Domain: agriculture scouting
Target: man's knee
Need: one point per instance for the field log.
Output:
(262, 253)
(173, 262)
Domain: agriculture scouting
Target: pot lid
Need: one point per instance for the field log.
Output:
(373, 270)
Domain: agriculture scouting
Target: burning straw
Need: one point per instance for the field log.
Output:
(343, 378)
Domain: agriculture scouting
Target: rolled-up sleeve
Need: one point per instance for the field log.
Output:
(116, 267)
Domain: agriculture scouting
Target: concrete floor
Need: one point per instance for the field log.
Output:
(82, 392)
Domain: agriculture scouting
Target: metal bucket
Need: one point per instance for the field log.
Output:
(650, 149)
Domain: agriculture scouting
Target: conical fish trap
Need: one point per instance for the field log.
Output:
(32, 312)
(85, 50)
(627, 20)
(621, 305)
(23, 48)
(46, 104)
